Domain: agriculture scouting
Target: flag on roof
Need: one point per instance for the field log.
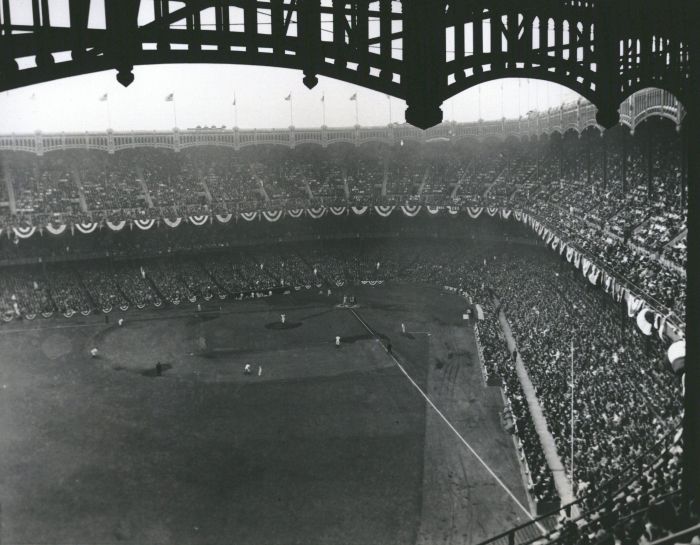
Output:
(170, 97)
(288, 97)
(103, 98)
(354, 96)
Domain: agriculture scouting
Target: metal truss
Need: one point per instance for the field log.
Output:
(422, 51)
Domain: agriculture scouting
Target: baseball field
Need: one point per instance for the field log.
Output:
(319, 445)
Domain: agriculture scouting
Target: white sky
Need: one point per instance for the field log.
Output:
(204, 95)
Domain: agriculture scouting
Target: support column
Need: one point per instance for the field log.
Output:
(561, 157)
(121, 19)
(7, 174)
(8, 64)
(309, 14)
(623, 165)
(650, 167)
(79, 14)
(684, 166)
(588, 163)
(691, 420)
(424, 53)
(605, 161)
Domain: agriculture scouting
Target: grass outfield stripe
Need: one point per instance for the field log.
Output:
(449, 424)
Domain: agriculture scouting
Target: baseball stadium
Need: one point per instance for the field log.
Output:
(459, 332)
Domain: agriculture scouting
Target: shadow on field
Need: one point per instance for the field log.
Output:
(151, 373)
(279, 326)
(322, 313)
(466, 355)
(354, 338)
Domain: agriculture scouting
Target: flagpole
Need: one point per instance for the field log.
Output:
(389, 109)
(34, 122)
(502, 111)
(323, 104)
(235, 110)
(357, 116)
(174, 112)
(479, 91)
(537, 94)
(573, 480)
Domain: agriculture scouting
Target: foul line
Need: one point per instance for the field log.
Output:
(462, 439)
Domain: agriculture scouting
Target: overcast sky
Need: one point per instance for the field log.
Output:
(204, 95)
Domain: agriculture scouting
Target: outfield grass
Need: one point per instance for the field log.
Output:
(326, 447)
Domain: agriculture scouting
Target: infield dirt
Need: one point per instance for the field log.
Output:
(328, 446)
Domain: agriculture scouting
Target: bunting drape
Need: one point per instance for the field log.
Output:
(144, 225)
(223, 218)
(316, 213)
(55, 229)
(410, 210)
(249, 216)
(384, 211)
(114, 226)
(474, 211)
(24, 232)
(273, 215)
(198, 220)
(338, 210)
(86, 228)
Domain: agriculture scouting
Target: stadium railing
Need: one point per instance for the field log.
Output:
(529, 532)
(684, 536)
(619, 274)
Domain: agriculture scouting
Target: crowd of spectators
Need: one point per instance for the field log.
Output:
(500, 369)
(647, 508)
(625, 397)
(627, 404)
(620, 380)
(620, 198)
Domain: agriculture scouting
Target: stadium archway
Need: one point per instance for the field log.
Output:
(603, 51)
(390, 46)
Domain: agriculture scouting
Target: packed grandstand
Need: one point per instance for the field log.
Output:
(594, 229)
(619, 200)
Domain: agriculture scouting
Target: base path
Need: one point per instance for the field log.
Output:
(561, 482)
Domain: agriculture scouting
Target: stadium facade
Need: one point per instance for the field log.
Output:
(605, 51)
